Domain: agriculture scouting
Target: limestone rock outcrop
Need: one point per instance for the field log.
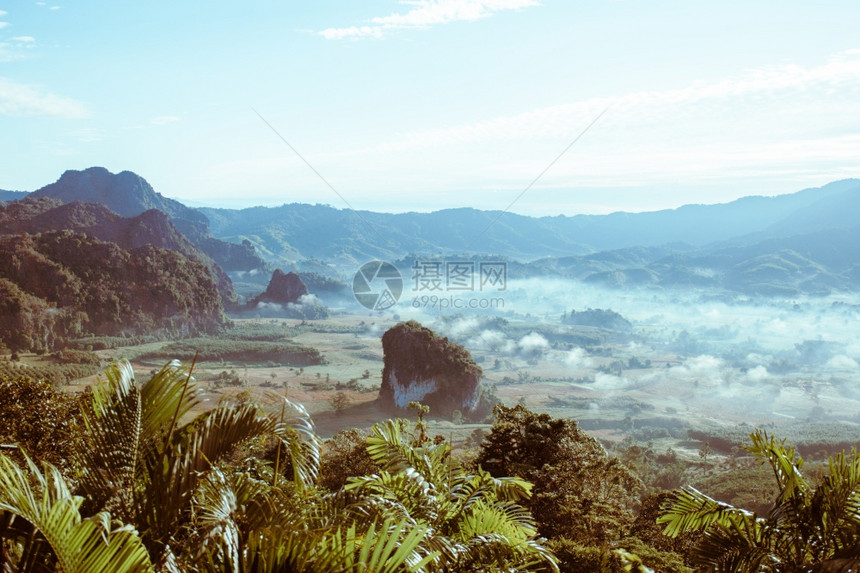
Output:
(421, 366)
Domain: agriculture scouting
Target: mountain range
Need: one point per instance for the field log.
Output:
(294, 231)
(799, 243)
(128, 194)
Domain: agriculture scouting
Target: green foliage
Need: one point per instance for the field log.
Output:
(144, 466)
(60, 285)
(808, 528)
(576, 558)
(71, 356)
(42, 421)
(42, 528)
(580, 492)
(339, 402)
(809, 438)
(202, 500)
(54, 374)
(749, 485)
(345, 456)
(473, 519)
(106, 342)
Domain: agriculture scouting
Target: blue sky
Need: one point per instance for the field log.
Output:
(425, 105)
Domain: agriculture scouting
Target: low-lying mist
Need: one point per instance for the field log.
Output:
(720, 356)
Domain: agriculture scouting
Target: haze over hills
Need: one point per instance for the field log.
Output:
(803, 242)
(294, 231)
(12, 195)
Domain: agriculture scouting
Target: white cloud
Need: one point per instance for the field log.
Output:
(493, 340)
(533, 345)
(19, 100)
(707, 134)
(578, 358)
(842, 362)
(426, 13)
(3, 25)
(23, 39)
(703, 367)
(757, 374)
(352, 32)
(653, 107)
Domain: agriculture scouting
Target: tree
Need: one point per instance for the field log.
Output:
(809, 528)
(580, 492)
(339, 402)
(160, 494)
(144, 466)
(345, 456)
(42, 421)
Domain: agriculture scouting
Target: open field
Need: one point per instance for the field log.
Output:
(653, 385)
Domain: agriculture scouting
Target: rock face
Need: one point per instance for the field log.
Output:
(62, 285)
(152, 227)
(421, 366)
(284, 288)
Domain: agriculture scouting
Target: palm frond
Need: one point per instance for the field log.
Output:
(785, 462)
(78, 545)
(389, 546)
(228, 508)
(171, 479)
(295, 429)
(692, 510)
(112, 420)
(738, 546)
(387, 447)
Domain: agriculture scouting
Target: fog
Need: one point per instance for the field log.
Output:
(714, 355)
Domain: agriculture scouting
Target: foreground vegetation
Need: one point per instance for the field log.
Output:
(234, 490)
(123, 478)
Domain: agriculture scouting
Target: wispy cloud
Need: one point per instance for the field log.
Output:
(20, 100)
(758, 89)
(785, 122)
(88, 134)
(17, 48)
(426, 13)
(163, 119)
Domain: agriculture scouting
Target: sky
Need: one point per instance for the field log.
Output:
(541, 107)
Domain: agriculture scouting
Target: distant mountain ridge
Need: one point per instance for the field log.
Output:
(301, 231)
(12, 195)
(788, 244)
